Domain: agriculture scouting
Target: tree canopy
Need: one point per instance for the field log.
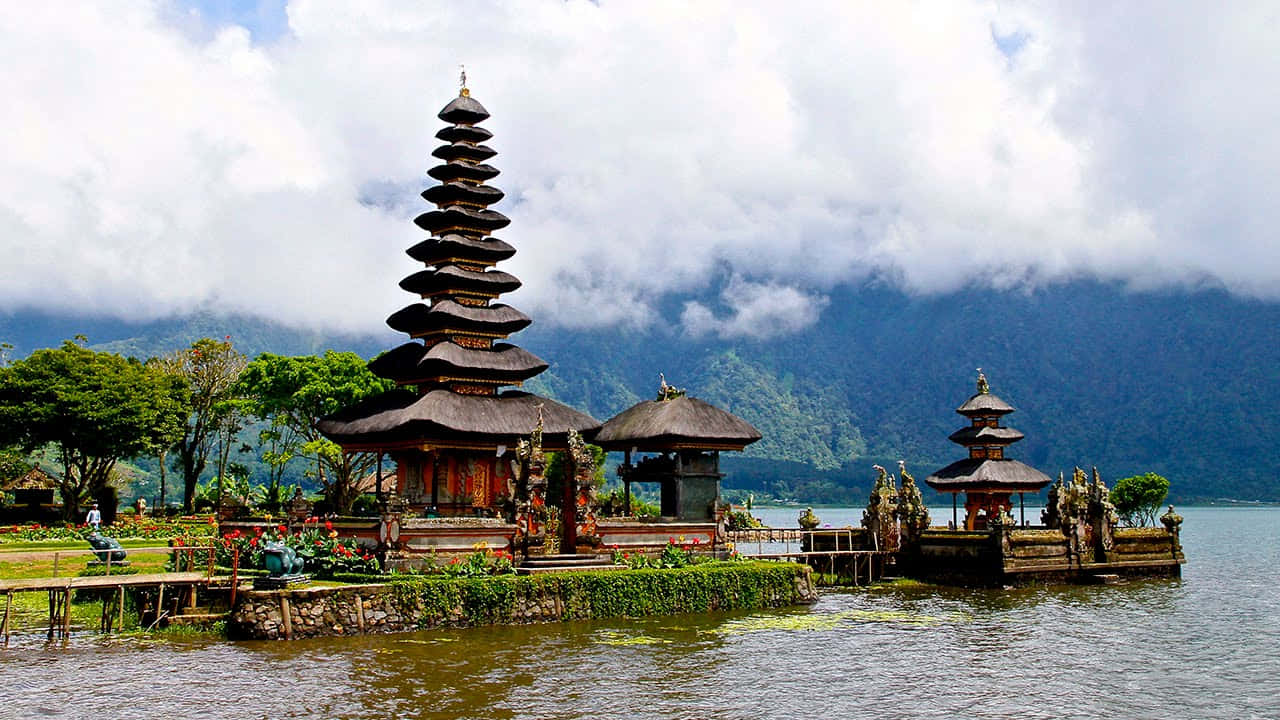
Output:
(1138, 498)
(92, 408)
(294, 393)
(209, 369)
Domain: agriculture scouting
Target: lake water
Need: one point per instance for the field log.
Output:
(1205, 646)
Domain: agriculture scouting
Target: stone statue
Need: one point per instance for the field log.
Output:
(983, 387)
(1102, 516)
(1049, 515)
(279, 560)
(665, 391)
(808, 520)
(913, 516)
(1172, 521)
(106, 548)
(878, 518)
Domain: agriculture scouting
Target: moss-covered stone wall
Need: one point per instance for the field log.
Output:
(412, 603)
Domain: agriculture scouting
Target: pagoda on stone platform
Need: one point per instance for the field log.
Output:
(987, 478)
(450, 426)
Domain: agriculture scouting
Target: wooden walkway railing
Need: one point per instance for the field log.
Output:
(60, 588)
(838, 549)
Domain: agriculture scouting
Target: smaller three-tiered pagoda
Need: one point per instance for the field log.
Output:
(987, 478)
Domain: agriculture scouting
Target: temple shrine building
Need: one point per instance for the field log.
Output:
(987, 477)
(452, 424)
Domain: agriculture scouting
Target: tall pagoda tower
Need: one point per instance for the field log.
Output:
(987, 478)
(450, 426)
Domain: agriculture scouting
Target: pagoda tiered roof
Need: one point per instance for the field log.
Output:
(456, 362)
(986, 469)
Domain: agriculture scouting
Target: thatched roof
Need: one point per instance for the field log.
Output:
(984, 404)
(413, 361)
(452, 277)
(460, 216)
(33, 479)
(985, 436)
(493, 319)
(463, 170)
(684, 421)
(464, 151)
(435, 250)
(979, 475)
(462, 192)
(463, 110)
(463, 133)
(400, 416)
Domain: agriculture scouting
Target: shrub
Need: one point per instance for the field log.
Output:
(1138, 498)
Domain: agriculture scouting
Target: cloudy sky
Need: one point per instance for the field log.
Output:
(170, 155)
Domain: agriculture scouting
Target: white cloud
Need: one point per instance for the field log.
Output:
(646, 146)
(754, 310)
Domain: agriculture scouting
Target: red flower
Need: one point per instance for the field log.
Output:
(319, 542)
(258, 530)
(328, 525)
(697, 541)
(366, 556)
(253, 542)
(282, 529)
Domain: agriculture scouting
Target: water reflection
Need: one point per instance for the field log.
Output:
(1200, 647)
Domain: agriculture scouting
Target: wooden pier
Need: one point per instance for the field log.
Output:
(61, 589)
(840, 551)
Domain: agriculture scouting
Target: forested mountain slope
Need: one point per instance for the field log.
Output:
(1186, 384)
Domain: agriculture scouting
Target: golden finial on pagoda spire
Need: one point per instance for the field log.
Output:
(464, 91)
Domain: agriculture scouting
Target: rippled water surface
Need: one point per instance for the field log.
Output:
(1207, 646)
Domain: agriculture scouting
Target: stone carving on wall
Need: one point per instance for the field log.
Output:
(584, 476)
(532, 512)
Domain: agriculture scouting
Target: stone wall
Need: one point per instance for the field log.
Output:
(463, 602)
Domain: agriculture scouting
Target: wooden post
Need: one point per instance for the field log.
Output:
(120, 610)
(66, 612)
(235, 573)
(569, 505)
(55, 564)
(160, 603)
(360, 613)
(284, 617)
(52, 611)
(109, 554)
(1022, 509)
(626, 484)
(8, 608)
(955, 513)
(378, 487)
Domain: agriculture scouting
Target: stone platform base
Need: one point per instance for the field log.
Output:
(280, 583)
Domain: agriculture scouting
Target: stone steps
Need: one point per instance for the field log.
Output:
(522, 570)
(566, 563)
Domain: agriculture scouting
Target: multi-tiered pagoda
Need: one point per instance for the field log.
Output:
(450, 426)
(987, 478)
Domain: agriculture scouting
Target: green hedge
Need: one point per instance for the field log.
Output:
(601, 594)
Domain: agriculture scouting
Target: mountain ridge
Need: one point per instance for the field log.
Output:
(1185, 383)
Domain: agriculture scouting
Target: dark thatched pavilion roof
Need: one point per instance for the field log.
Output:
(985, 404)
(681, 422)
(987, 475)
(441, 416)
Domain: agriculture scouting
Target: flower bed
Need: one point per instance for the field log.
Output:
(318, 542)
(144, 528)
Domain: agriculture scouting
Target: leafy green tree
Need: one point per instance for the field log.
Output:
(92, 408)
(209, 369)
(13, 463)
(1138, 498)
(294, 393)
